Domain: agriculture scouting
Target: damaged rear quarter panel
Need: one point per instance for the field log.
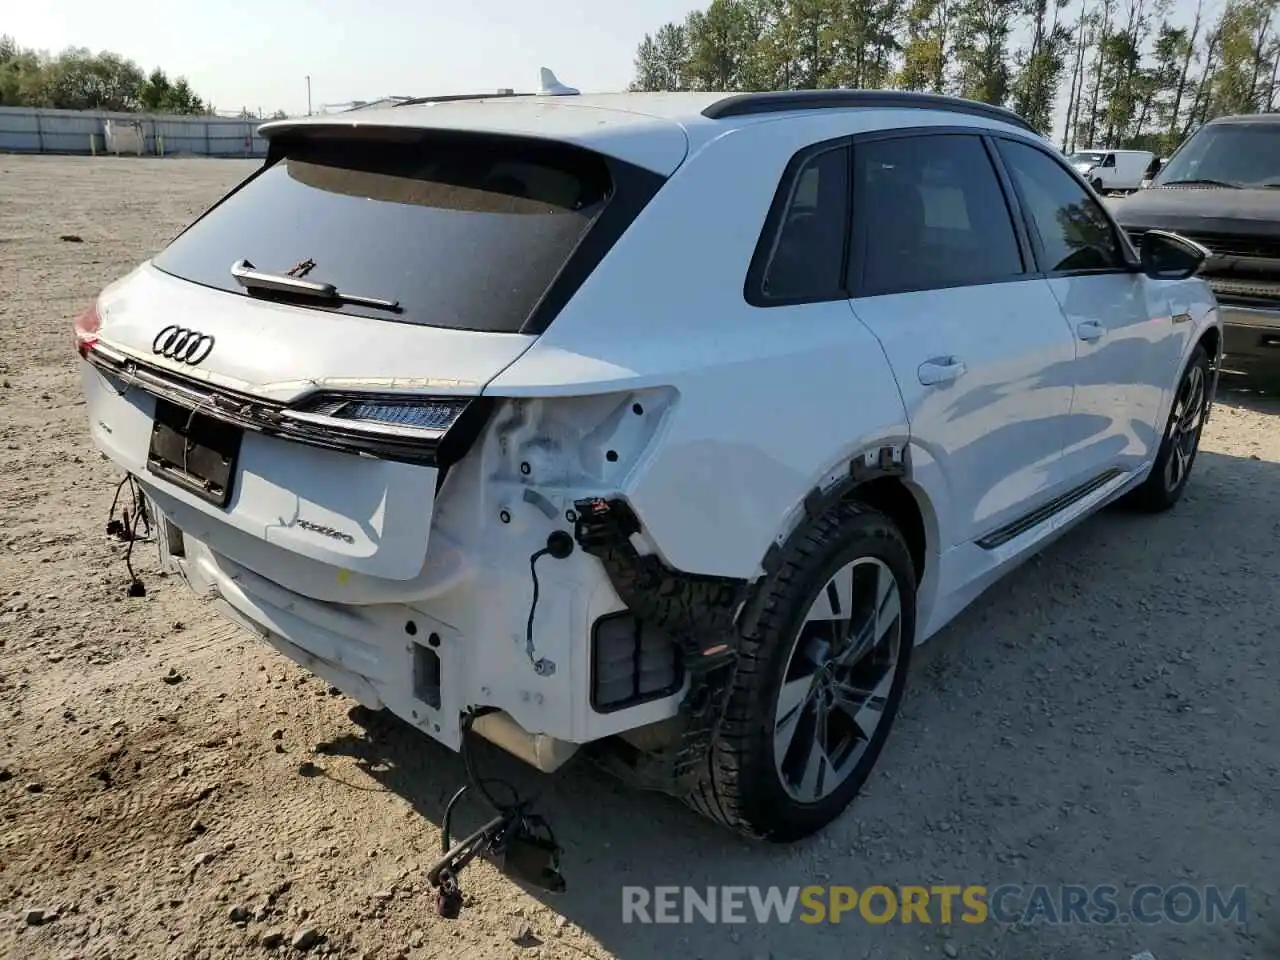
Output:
(768, 401)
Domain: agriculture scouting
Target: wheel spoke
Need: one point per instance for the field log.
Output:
(1194, 402)
(859, 644)
(792, 699)
(817, 764)
(839, 633)
(1176, 466)
(888, 603)
(865, 705)
(880, 619)
(831, 609)
(835, 602)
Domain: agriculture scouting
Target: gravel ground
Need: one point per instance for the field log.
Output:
(170, 788)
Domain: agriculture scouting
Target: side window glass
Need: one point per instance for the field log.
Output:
(933, 215)
(1074, 231)
(807, 256)
(1110, 161)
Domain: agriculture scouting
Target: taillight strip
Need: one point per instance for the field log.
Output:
(361, 438)
(367, 427)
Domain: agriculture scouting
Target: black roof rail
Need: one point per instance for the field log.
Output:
(778, 101)
(449, 97)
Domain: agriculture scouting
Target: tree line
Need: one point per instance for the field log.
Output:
(1123, 73)
(77, 79)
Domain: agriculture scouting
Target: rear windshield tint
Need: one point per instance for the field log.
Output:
(462, 232)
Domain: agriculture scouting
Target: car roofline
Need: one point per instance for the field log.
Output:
(743, 107)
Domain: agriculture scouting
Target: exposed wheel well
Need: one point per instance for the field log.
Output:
(891, 497)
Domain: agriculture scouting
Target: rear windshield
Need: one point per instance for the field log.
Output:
(461, 231)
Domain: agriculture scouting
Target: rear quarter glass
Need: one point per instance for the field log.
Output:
(464, 232)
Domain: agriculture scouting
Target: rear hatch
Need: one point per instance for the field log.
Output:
(297, 366)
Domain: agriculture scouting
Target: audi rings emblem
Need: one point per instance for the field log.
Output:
(183, 345)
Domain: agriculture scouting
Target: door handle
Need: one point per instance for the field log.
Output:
(1090, 330)
(940, 370)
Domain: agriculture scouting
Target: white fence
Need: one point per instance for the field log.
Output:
(37, 130)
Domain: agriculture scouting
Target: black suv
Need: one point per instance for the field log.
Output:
(1222, 189)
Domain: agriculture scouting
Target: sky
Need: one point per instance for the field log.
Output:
(258, 53)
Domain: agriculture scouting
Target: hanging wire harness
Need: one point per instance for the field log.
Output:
(517, 840)
(126, 527)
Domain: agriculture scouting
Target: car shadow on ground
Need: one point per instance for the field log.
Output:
(1069, 728)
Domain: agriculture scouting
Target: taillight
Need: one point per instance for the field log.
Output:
(86, 329)
(407, 416)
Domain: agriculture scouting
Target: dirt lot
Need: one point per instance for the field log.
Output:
(1110, 716)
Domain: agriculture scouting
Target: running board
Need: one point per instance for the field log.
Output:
(1004, 534)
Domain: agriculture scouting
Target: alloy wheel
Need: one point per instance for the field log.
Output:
(837, 680)
(1184, 427)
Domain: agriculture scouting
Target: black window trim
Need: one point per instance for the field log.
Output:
(770, 232)
(267, 164)
(1132, 263)
(633, 189)
(1021, 227)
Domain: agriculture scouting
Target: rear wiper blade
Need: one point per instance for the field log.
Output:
(251, 278)
(1204, 181)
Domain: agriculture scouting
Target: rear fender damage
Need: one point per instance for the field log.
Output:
(700, 615)
(708, 617)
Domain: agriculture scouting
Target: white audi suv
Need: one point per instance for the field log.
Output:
(653, 427)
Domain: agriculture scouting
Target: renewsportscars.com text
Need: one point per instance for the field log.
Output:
(972, 904)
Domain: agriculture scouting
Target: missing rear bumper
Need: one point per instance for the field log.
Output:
(698, 613)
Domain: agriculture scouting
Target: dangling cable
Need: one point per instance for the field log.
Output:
(513, 823)
(559, 545)
(126, 527)
(513, 828)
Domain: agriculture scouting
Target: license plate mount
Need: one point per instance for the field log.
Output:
(194, 451)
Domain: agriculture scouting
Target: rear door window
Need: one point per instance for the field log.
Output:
(462, 231)
(930, 213)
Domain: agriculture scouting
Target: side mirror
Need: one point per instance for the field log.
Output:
(1168, 256)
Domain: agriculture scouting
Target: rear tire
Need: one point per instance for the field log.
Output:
(817, 689)
(1172, 469)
